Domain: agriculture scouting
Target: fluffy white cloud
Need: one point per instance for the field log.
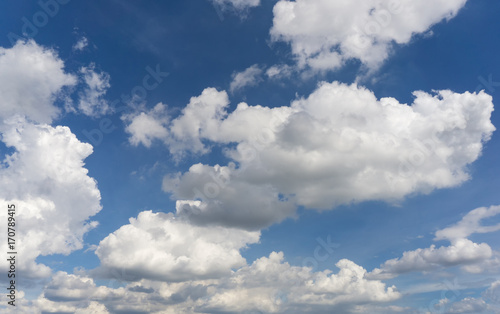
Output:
(339, 145)
(268, 285)
(199, 119)
(31, 79)
(249, 77)
(324, 34)
(44, 177)
(468, 305)
(472, 256)
(147, 126)
(159, 246)
(91, 99)
(239, 5)
(273, 286)
(64, 287)
(343, 145)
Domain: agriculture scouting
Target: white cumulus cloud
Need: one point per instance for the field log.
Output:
(338, 145)
(31, 79)
(159, 246)
(324, 34)
(199, 119)
(46, 180)
(147, 126)
(268, 285)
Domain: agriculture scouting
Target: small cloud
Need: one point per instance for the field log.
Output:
(238, 5)
(92, 102)
(279, 71)
(249, 77)
(146, 126)
(91, 248)
(81, 44)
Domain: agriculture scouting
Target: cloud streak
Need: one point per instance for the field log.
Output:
(462, 251)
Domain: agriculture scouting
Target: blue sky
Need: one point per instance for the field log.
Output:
(246, 156)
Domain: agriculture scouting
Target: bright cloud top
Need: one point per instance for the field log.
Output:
(159, 246)
(31, 79)
(273, 286)
(44, 174)
(54, 196)
(324, 34)
(339, 145)
(146, 127)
